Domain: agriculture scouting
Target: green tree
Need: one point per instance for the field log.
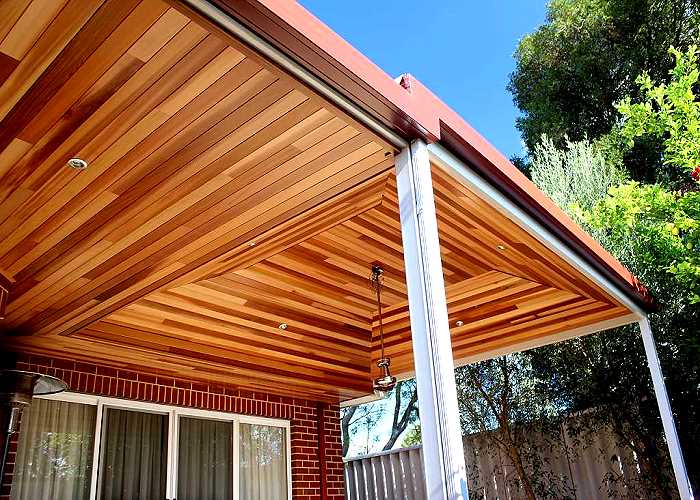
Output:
(650, 229)
(413, 436)
(405, 410)
(506, 401)
(358, 423)
(593, 175)
(572, 70)
(670, 112)
(659, 229)
(665, 224)
(604, 376)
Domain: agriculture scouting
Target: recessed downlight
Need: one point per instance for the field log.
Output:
(77, 163)
(283, 326)
(500, 247)
(459, 323)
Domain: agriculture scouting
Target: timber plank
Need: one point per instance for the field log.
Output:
(17, 108)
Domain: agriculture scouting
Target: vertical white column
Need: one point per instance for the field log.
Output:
(674, 445)
(443, 455)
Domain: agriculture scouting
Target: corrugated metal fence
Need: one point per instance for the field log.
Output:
(584, 469)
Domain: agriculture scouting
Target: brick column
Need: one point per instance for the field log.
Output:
(9, 469)
(335, 469)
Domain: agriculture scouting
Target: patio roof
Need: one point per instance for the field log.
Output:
(406, 106)
(224, 197)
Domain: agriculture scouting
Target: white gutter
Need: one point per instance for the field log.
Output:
(227, 23)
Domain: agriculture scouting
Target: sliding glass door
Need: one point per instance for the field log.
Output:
(205, 459)
(81, 447)
(54, 456)
(133, 455)
(263, 462)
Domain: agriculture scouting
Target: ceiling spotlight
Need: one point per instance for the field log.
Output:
(501, 247)
(251, 244)
(77, 163)
(283, 326)
(459, 322)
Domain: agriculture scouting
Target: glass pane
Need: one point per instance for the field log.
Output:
(263, 462)
(54, 457)
(204, 468)
(133, 458)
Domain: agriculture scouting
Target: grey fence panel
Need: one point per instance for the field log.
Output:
(414, 465)
(368, 475)
(583, 465)
(379, 477)
(391, 475)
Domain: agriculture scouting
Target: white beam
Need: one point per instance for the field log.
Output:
(443, 456)
(362, 400)
(674, 445)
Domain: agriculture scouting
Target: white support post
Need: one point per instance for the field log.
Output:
(674, 445)
(443, 455)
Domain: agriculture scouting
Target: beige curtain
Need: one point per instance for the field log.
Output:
(54, 457)
(263, 463)
(134, 455)
(205, 470)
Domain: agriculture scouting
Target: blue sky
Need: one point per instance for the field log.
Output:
(461, 49)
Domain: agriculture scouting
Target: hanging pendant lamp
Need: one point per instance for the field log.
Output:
(385, 382)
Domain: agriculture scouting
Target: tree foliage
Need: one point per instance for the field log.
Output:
(506, 400)
(405, 410)
(359, 424)
(670, 112)
(653, 230)
(413, 436)
(658, 228)
(573, 69)
(551, 169)
(604, 375)
(356, 423)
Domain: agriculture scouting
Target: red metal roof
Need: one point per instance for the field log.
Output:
(413, 111)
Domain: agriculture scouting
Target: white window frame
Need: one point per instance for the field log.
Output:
(174, 414)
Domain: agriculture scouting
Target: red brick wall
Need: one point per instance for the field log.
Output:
(306, 417)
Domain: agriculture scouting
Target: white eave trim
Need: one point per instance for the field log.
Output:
(369, 398)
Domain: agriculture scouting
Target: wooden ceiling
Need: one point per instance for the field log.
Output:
(517, 290)
(222, 198)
